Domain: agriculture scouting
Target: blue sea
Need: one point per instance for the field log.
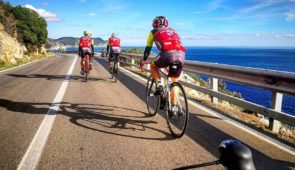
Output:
(268, 58)
(282, 59)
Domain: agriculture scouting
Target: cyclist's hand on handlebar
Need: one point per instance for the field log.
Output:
(141, 64)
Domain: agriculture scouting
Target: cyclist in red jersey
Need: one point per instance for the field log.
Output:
(113, 47)
(86, 47)
(171, 51)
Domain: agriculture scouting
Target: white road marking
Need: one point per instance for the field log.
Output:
(33, 153)
(255, 133)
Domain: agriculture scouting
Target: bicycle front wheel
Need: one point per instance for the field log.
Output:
(177, 110)
(152, 101)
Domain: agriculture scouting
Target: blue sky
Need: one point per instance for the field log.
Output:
(198, 22)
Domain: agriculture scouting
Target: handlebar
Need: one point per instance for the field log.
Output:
(142, 63)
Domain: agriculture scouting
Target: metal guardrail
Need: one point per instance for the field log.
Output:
(276, 81)
(262, 78)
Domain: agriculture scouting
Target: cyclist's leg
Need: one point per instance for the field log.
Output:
(174, 92)
(155, 72)
(90, 61)
(116, 58)
(111, 55)
(82, 58)
(161, 62)
(175, 57)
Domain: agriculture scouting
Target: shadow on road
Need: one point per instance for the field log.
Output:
(74, 78)
(203, 133)
(96, 117)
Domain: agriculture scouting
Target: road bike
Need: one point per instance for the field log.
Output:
(173, 100)
(86, 66)
(114, 67)
(233, 155)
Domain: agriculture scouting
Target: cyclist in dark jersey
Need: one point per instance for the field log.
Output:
(171, 51)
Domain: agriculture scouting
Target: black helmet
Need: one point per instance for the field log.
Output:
(235, 155)
(160, 21)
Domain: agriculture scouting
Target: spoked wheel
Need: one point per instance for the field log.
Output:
(152, 101)
(177, 114)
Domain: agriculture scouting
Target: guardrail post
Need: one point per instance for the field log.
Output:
(132, 62)
(148, 67)
(276, 104)
(214, 87)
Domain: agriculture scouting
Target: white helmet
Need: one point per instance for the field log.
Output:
(87, 33)
(114, 35)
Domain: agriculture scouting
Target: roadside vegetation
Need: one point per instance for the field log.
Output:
(24, 35)
(25, 25)
(4, 66)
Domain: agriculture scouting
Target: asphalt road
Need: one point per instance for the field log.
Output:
(104, 125)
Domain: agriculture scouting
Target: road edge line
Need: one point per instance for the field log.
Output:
(35, 149)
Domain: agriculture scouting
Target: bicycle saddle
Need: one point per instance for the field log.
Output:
(235, 155)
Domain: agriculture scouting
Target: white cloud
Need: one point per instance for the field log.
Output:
(44, 4)
(92, 14)
(275, 35)
(260, 5)
(290, 16)
(211, 6)
(48, 16)
(215, 4)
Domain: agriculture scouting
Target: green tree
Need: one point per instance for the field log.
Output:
(31, 27)
(25, 24)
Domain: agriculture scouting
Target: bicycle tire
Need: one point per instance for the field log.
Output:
(151, 98)
(183, 114)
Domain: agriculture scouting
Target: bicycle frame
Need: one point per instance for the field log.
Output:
(168, 80)
(167, 87)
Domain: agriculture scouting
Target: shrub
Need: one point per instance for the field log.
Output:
(31, 29)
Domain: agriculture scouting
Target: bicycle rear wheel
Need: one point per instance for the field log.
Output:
(177, 114)
(152, 101)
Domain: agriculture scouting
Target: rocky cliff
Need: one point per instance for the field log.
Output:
(11, 51)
